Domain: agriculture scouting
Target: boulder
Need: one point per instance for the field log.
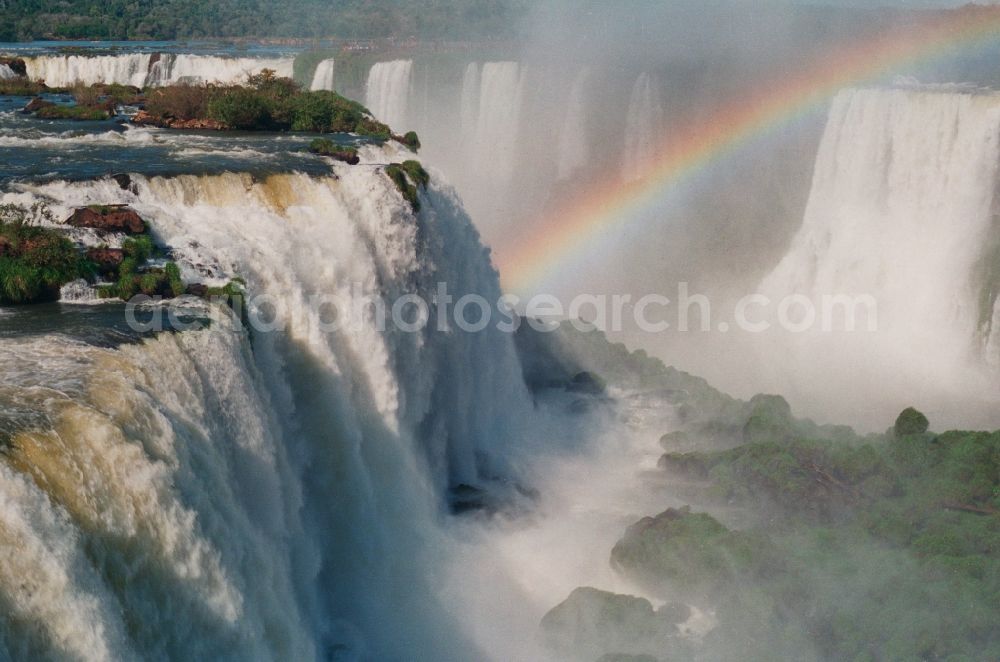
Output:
(203, 124)
(198, 290)
(124, 181)
(107, 259)
(691, 557)
(36, 104)
(17, 65)
(116, 218)
(592, 623)
(910, 421)
(142, 118)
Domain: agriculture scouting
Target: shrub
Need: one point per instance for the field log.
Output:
(173, 274)
(409, 139)
(241, 108)
(35, 261)
(910, 421)
(182, 101)
(78, 113)
(138, 248)
(344, 153)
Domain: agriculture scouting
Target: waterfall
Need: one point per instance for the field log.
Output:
(142, 69)
(643, 127)
(213, 69)
(6, 72)
(573, 149)
(65, 70)
(469, 103)
(901, 209)
(498, 122)
(323, 77)
(198, 496)
(387, 92)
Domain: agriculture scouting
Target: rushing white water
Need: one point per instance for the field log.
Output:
(199, 497)
(142, 69)
(574, 149)
(497, 126)
(902, 211)
(64, 70)
(387, 93)
(469, 103)
(323, 77)
(643, 127)
(6, 72)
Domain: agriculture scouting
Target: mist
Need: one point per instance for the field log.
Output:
(731, 414)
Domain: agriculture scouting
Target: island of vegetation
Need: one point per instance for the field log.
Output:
(38, 257)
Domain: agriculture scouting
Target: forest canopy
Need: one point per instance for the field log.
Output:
(25, 20)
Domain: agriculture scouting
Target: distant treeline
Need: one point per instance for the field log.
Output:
(25, 20)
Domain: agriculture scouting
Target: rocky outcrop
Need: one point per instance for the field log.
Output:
(592, 623)
(107, 259)
(143, 118)
(36, 104)
(16, 65)
(117, 218)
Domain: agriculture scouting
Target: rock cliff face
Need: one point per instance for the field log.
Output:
(16, 65)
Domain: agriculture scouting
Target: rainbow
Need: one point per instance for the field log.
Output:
(574, 229)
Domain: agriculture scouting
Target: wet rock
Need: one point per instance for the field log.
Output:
(17, 65)
(107, 259)
(465, 498)
(36, 104)
(112, 218)
(124, 181)
(586, 382)
(198, 290)
(142, 118)
(203, 124)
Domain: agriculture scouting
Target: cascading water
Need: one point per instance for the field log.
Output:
(469, 103)
(573, 149)
(196, 496)
(387, 93)
(143, 69)
(498, 122)
(323, 77)
(643, 127)
(902, 211)
(6, 72)
(65, 70)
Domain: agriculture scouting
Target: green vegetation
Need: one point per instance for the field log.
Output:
(180, 19)
(407, 176)
(21, 87)
(266, 102)
(344, 153)
(883, 547)
(35, 261)
(410, 139)
(910, 421)
(78, 113)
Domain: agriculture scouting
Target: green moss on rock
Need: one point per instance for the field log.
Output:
(408, 176)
